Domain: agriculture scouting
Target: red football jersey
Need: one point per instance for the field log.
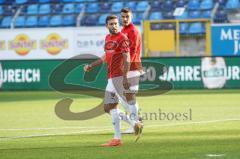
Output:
(135, 46)
(115, 46)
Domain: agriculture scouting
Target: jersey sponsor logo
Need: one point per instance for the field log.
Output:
(110, 46)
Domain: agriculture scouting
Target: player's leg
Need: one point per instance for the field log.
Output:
(115, 85)
(130, 96)
(113, 110)
(111, 107)
(126, 99)
(133, 107)
(130, 130)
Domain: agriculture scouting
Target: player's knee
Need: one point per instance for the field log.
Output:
(132, 102)
(106, 108)
(130, 97)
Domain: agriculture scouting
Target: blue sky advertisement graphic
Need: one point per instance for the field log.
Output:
(226, 40)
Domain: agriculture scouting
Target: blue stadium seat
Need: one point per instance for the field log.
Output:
(168, 5)
(183, 28)
(79, 7)
(56, 8)
(31, 21)
(80, 1)
(137, 18)
(180, 3)
(20, 22)
(43, 21)
(8, 10)
(183, 16)
(91, 0)
(168, 15)
(156, 5)
(20, 1)
(55, 1)
(69, 20)
(221, 16)
(7, 2)
(44, 1)
(195, 28)
(170, 26)
(194, 14)
(132, 5)
(44, 9)
(56, 20)
(32, 1)
(232, 4)
(92, 8)
(32, 9)
(6, 22)
(69, 1)
(102, 19)
(193, 5)
(155, 16)
(206, 4)
(90, 20)
(117, 6)
(142, 6)
(156, 26)
(1, 10)
(206, 14)
(222, 3)
(69, 8)
(24, 10)
(2, 1)
(105, 6)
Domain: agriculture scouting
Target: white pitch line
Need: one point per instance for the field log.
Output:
(192, 123)
(108, 129)
(92, 127)
(52, 128)
(53, 134)
(215, 155)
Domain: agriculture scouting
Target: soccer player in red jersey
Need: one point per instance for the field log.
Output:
(118, 65)
(136, 70)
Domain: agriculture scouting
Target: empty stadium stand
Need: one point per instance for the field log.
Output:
(69, 13)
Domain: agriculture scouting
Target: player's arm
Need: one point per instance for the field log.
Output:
(95, 63)
(126, 68)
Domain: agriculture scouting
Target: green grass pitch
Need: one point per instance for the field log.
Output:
(29, 127)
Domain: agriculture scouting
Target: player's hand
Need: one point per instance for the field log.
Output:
(142, 72)
(87, 68)
(126, 85)
(165, 69)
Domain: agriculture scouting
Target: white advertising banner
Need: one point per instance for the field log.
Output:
(90, 40)
(28, 44)
(51, 43)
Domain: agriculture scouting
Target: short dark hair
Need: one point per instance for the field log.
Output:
(110, 17)
(126, 10)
